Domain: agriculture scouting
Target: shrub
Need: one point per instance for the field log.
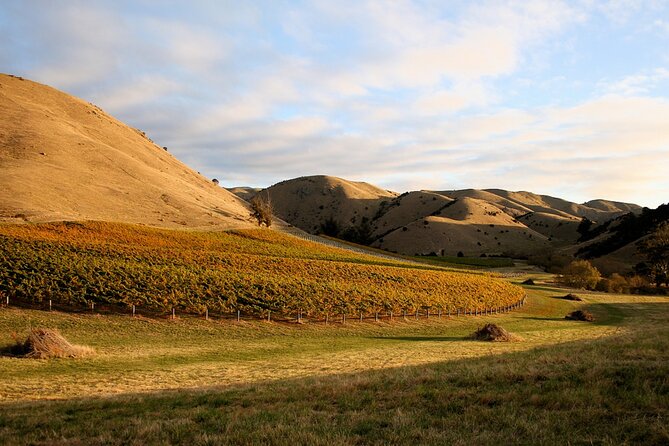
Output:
(580, 274)
(261, 210)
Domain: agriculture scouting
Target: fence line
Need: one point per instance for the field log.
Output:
(238, 315)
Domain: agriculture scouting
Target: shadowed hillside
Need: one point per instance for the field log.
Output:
(62, 158)
(471, 221)
(309, 202)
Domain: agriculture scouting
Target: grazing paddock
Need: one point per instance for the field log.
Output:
(425, 381)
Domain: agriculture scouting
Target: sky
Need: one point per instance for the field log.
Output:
(569, 99)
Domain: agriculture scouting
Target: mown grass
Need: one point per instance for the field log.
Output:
(207, 382)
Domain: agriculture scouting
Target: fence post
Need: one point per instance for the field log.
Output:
(427, 313)
(391, 316)
(269, 315)
(416, 315)
(174, 314)
(133, 310)
(439, 313)
(343, 318)
(49, 304)
(326, 318)
(376, 316)
(361, 316)
(92, 306)
(238, 315)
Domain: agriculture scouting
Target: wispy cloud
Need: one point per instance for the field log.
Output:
(403, 93)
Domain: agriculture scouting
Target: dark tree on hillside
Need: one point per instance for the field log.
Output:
(656, 249)
(261, 210)
(330, 227)
(361, 234)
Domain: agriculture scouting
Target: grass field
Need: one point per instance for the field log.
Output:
(419, 382)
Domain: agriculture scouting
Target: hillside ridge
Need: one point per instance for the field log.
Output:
(62, 158)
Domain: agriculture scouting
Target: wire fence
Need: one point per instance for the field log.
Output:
(239, 315)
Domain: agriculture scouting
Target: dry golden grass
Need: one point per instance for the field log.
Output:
(44, 343)
(139, 355)
(62, 158)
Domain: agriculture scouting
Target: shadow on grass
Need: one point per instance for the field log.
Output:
(541, 396)
(420, 338)
(537, 318)
(610, 314)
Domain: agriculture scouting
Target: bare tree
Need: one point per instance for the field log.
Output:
(261, 209)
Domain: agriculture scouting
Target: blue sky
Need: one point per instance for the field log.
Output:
(569, 99)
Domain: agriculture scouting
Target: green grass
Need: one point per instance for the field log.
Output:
(209, 382)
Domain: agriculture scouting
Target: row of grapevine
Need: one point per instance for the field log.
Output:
(252, 271)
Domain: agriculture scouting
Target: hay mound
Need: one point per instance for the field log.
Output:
(45, 343)
(494, 333)
(528, 282)
(580, 315)
(569, 296)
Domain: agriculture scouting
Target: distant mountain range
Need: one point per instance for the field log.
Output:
(470, 222)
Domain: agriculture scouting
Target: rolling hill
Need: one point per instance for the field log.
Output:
(62, 158)
(308, 202)
(471, 221)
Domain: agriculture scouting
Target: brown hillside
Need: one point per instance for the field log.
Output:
(62, 158)
(245, 193)
(558, 206)
(469, 225)
(508, 206)
(560, 230)
(307, 202)
(612, 206)
(407, 208)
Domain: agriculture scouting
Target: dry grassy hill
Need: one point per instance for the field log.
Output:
(245, 193)
(62, 158)
(468, 225)
(471, 221)
(520, 203)
(308, 202)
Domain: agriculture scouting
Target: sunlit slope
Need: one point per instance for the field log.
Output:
(308, 202)
(255, 271)
(468, 225)
(62, 158)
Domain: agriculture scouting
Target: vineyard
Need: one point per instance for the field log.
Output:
(254, 271)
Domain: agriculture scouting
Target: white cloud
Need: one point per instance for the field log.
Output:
(636, 84)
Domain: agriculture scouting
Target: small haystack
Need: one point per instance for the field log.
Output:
(580, 315)
(45, 343)
(571, 296)
(494, 333)
(529, 282)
